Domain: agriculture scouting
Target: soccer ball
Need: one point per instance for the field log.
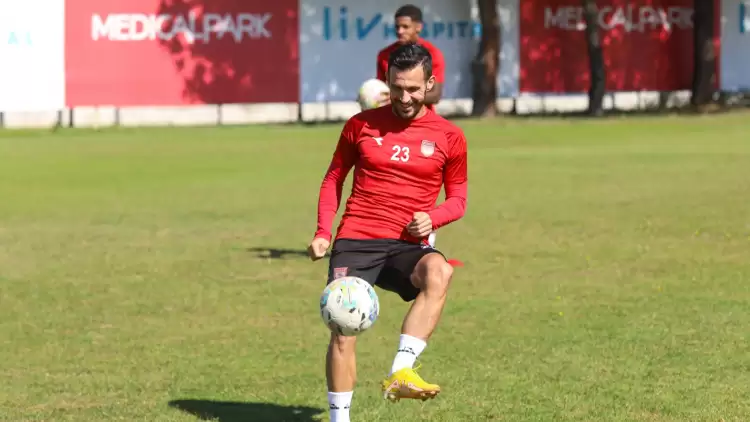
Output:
(371, 92)
(349, 306)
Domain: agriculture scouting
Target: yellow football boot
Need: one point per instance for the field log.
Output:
(407, 384)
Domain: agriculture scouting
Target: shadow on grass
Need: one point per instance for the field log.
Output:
(219, 411)
(276, 253)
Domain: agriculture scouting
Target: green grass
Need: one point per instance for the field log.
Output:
(607, 276)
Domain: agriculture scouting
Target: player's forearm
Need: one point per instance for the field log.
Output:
(328, 205)
(328, 202)
(452, 209)
(449, 211)
(432, 97)
(325, 220)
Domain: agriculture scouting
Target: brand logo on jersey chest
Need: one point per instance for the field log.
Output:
(428, 148)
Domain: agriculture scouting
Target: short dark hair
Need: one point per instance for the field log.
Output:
(409, 56)
(409, 11)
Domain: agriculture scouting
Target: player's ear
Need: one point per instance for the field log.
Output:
(430, 83)
(418, 27)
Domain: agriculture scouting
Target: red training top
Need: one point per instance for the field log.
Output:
(400, 166)
(438, 62)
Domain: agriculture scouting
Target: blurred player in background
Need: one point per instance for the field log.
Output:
(402, 155)
(408, 23)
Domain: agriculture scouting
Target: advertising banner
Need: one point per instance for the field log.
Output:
(647, 45)
(179, 52)
(735, 46)
(340, 40)
(32, 53)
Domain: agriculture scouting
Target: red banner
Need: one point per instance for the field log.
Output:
(180, 52)
(647, 45)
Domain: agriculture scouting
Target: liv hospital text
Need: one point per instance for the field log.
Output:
(339, 24)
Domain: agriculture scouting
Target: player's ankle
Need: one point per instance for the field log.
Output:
(409, 349)
(339, 404)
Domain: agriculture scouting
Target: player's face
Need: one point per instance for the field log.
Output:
(407, 30)
(408, 89)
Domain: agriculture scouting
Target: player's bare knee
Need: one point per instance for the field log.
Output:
(443, 274)
(435, 277)
(343, 344)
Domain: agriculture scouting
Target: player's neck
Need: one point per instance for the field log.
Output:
(417, 40)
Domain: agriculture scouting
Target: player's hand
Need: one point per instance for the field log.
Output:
(318, 248)
(420, 225)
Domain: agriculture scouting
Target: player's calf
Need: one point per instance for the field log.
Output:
(341, 374)
(432, 276)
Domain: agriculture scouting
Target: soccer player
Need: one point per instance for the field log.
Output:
(403, 154)
(408, 22)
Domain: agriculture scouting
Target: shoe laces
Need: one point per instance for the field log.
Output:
(416, 367)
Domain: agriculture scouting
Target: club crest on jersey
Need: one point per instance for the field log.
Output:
(340, 272)
(428, 148)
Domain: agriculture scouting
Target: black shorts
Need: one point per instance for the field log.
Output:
(387, 264)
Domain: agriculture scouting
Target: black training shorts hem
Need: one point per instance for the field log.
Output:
(385, 263)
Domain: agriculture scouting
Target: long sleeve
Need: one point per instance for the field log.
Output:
(380, 68)
(455, 179)
(333, 182)
(438, 66)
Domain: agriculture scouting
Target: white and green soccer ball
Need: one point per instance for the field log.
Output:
(349, 306)
(371, 92)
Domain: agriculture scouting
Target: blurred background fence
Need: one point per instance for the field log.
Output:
(87, 63)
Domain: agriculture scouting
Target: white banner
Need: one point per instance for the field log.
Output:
(340, 40)
(32, 53)
(735, 45)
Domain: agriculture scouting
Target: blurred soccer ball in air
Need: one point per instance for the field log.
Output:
(371, 93)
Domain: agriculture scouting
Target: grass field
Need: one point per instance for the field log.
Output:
(607, 276)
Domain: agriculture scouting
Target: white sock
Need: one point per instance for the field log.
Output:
(409, 349)
(339, 404)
